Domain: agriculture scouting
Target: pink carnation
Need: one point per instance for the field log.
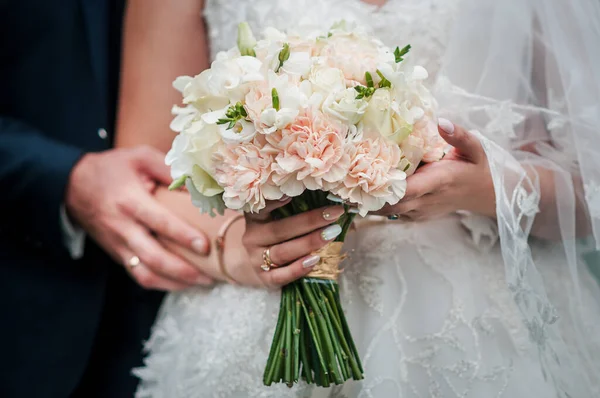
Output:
(244, 171)
(372, 178)
(423, 144)
(310, 153)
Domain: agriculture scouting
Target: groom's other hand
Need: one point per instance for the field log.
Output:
(110, 196)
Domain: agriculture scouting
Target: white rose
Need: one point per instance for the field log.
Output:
(191, 155)
(344, 106)
(385, 117)
(327, 80)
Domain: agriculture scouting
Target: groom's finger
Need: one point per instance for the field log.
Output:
(163, 222)
(159, 260)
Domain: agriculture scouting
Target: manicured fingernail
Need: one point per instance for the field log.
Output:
(200, 246)
(331, 232)
(446, 125)
(284, 198)
(333, 213)
(353, 210)
(311, 261)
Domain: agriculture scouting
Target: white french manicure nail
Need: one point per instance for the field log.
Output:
(311, 261)
(331, 232)
(199, 245)
(446, 125)
(353, 210)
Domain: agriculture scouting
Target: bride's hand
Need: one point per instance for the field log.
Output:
(290, 242)
(460, 181)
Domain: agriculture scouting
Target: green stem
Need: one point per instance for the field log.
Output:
(297, 330)
(311, 325)
(332, 305)
(304, 355)
(323, 329)
(339, 353)
(288, 379)
(348, 335)
(269, 369)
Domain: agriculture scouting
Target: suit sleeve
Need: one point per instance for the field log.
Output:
(34, 172)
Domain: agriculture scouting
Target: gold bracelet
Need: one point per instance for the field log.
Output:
(220, 244)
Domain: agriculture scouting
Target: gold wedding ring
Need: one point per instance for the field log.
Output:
(133, 262)
(267, 263)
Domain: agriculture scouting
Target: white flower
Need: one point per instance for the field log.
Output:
(385, 117)
(199, 94)
(344, 106)
(260, 107)
(327, 80)
(243, 131)
(193, 146)
(206, 204)
(274, 120)
(232, 76)
(298, 63)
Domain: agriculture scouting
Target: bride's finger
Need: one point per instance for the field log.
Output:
(287, 252)
(278, 277)
(465, 142)
(265, 214)
(278, 231)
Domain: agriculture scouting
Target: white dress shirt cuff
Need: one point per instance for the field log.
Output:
(73, 237)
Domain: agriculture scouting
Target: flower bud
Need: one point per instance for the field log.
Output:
(245, 40)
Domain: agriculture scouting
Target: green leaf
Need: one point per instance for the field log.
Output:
(399, 54)
(384, 82)
(178, 183)
(369, 79)
(275, 97)
(223, 121)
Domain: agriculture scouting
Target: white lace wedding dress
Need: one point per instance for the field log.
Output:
(432, 306)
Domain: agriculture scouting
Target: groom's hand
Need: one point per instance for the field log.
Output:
(110, 196)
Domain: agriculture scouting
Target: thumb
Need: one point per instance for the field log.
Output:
(464, 142)
(152, 162)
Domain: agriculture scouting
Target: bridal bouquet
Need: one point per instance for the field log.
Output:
(321, 118)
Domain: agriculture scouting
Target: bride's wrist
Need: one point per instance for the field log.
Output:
(227, 244)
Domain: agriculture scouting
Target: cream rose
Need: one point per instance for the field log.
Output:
(344, 106)
(387, 118)
(326, 80)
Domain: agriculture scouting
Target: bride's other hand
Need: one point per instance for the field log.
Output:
(460, 181)
(290, 242)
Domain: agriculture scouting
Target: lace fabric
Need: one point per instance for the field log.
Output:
(458, 307)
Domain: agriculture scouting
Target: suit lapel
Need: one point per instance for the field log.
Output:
(96, 21)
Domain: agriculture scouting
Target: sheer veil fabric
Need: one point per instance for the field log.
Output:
(462, 306)
(524, 74)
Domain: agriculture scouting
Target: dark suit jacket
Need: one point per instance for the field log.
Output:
(63, 322)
